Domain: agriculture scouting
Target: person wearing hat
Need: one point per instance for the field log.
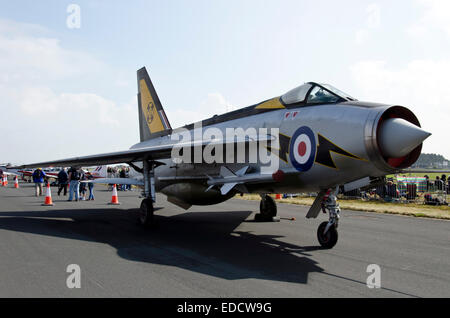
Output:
(38, 179)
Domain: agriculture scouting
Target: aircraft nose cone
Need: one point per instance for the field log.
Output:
(398, 137)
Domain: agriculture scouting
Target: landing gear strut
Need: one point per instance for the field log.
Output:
(146, 209)
(267, 209)
(327, 232)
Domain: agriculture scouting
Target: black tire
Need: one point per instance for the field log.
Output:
(268, 207)
(328, 240)
(146, 213)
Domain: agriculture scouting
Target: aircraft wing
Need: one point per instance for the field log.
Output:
(132, 155)
(116, 181)
(155, 152)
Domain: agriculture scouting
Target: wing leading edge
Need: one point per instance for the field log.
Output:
(132, 155)
(138, 154)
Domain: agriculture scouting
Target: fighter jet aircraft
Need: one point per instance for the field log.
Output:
(319, 137)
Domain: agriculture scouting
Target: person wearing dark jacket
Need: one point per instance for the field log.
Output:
(74, 181)
(83, 186)
(91, 188)
(63, 179)
(122, 174)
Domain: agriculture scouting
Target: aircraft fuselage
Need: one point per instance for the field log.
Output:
(342, 147)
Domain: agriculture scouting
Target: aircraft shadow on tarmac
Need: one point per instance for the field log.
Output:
(203, 242)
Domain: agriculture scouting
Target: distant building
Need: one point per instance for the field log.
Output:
(430, 161)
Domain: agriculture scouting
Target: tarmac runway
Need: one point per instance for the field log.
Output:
(213, 251)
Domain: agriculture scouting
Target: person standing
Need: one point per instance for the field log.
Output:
(63, 179)
(123, 175)
(128, 186)
(74, 181)
(38, 179)
(91, 188)
(82, 186)
(438, 183)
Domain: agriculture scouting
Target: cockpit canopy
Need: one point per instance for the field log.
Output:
(314, 93)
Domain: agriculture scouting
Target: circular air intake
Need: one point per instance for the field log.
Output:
(399, 137)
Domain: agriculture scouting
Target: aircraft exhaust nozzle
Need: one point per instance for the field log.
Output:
(398, 137)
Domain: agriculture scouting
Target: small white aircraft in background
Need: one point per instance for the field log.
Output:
(101, 176)
(52, 173)
(4, 170)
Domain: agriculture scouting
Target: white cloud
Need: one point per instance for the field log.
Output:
(373, 21)
(20, 28)
(361, 36)
(214, 104)
(373, 16)
(42, 103)
(32, 65)
(421, 85)
(436, 17)
(28, 58)
(217, 103)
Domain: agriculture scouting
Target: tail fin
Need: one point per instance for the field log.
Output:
(153, 121)
(100, 172)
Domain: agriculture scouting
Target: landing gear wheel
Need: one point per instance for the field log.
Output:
(267, 209)
(329, 239)
(146, 213)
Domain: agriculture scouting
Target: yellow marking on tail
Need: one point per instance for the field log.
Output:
(149, 110)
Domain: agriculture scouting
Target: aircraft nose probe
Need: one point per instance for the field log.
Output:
(398, 137)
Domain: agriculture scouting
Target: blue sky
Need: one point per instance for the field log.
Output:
(207, 57)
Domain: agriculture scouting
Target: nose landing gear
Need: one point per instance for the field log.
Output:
(327, 232)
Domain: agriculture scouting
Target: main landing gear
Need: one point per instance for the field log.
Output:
(327, 232)
(267, 209)
(146, 210)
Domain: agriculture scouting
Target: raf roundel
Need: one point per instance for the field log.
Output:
(303, 149)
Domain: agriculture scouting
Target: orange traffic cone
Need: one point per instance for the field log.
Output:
(48, 196)
(16, 182)
(6, 180)
(115, 198)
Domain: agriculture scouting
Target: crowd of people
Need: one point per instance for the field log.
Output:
(72, 181)
(120, 172)
(440, 183)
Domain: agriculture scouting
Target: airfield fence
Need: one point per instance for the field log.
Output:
(405, 189)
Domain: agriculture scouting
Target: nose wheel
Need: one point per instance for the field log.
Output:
(329, 238)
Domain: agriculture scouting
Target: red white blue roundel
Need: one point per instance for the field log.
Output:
(302, 149)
